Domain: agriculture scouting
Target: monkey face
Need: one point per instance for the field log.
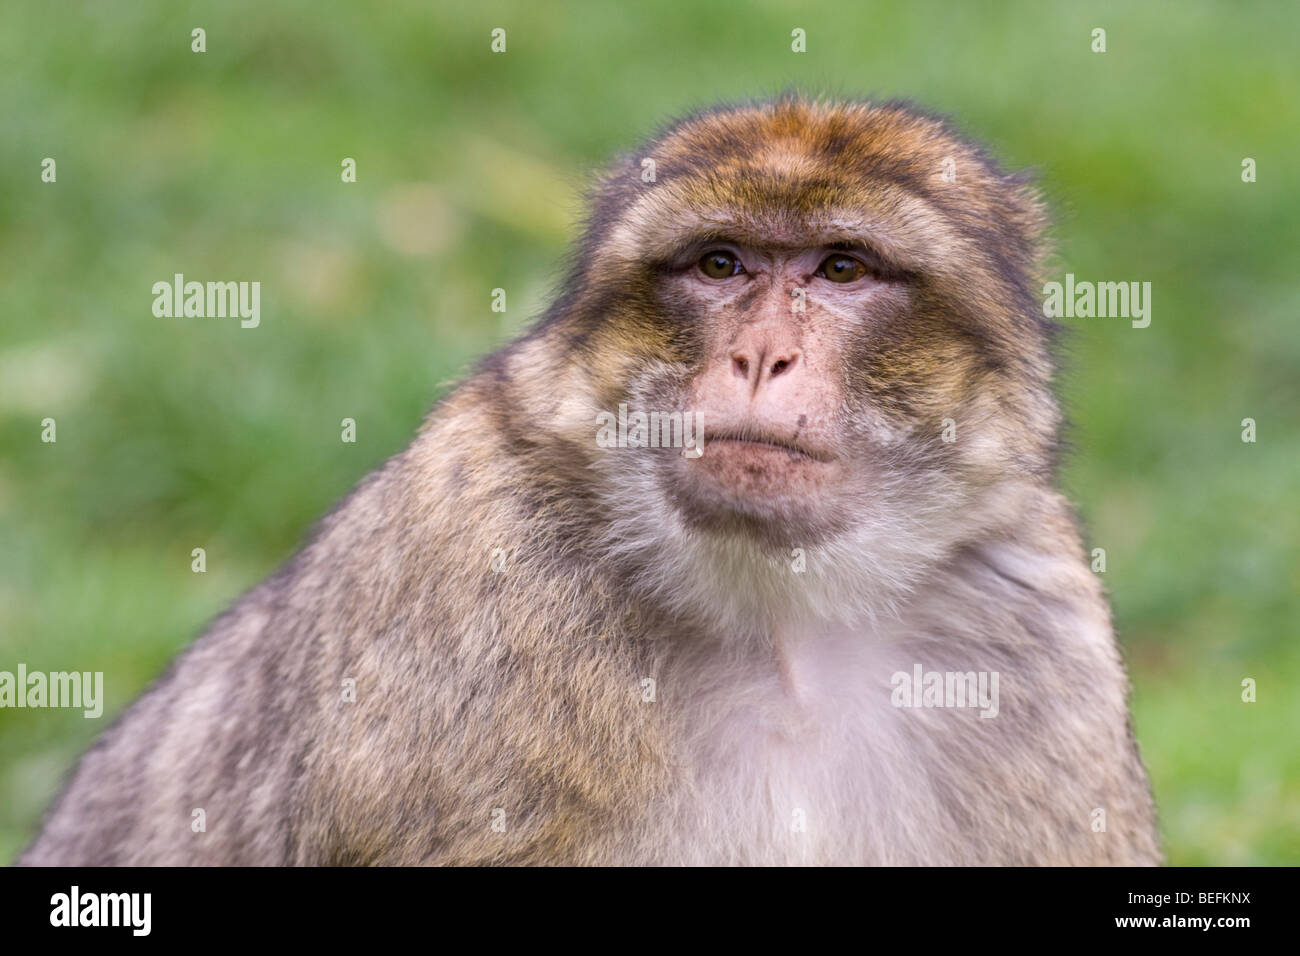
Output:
(772, 326)
(843, 294)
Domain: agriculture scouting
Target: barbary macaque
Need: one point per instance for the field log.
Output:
(848, 622)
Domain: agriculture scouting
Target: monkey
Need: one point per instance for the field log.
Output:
(517, 644)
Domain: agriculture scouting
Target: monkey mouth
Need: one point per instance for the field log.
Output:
(762, 442)
(759, 478)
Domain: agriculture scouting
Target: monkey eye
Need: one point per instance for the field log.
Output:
(720, 264)
(841, 268)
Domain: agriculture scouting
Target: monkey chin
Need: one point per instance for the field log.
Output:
(775, 493)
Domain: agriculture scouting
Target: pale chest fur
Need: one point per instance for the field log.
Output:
(813, 747)
(791, 753)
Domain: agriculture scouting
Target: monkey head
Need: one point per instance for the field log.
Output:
(842, 295)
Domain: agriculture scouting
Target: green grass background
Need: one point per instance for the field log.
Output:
(176, 434)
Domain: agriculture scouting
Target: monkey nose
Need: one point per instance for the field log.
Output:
(756, 367)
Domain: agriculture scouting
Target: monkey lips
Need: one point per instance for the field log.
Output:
(759, 480)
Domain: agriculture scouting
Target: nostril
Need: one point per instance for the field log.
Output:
(740, 365)
(782, 365)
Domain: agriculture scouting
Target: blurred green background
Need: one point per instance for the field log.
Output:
(176, 434)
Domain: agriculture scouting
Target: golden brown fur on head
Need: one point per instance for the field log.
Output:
(795, 172)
